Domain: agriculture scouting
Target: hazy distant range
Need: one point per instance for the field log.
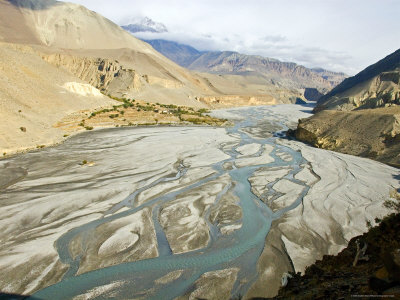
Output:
(287, 74)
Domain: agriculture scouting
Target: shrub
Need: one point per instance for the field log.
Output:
(203, 110)
(394, 202)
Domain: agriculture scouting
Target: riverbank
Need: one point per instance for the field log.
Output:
(371, 133)
(201, 200)
(373, 273)
(124, 113)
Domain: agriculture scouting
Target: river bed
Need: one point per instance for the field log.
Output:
(181, 212)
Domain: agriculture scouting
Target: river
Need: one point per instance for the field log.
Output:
(177, 212)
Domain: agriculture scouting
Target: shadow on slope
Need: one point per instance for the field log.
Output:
(34, 4)
(8, 296)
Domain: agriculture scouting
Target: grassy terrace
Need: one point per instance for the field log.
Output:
(133, 112)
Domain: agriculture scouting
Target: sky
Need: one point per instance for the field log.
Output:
(338, 35)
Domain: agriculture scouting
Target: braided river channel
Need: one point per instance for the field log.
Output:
(181, 212)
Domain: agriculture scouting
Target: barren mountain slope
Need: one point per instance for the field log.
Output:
(361, 116)
(271, 70)
(139, 70)
(289, 74)
(13, 27)
(53, 26)
(31, 104)
(246, 90)
(67, 25)
(376, 86)
(373, 133)
(128, 73)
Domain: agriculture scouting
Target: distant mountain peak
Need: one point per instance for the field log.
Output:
(144, 24)
(288, 74)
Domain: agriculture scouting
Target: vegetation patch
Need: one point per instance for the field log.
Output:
(140, 113)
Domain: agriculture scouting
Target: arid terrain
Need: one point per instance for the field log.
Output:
(60, 69)
(125, 175)
(361, 116)
(108, 207)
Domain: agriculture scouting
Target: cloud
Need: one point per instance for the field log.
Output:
(340, 35)
(279, 47)
(274, 38)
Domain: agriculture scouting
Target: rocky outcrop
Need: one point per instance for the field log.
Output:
(34, 96)
(376, 86)
(360, 116)
(109, 76)
(338, 277)
(312, 94)
(368, 133)
(380, 91)
(106, 75)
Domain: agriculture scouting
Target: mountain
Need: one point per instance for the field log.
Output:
(77, 40)
(32, 105)
(182, 54)
(62, 25)
(286, 74)
(59, 59)
(376, 86)
(145, 25)
(361, 116)
(289, 74)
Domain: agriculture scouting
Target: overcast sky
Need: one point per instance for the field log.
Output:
(339, 35)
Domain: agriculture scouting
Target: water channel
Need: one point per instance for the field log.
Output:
(240, 249)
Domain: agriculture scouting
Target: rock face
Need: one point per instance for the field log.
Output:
(376, 86)
(368, 133)
(337, 276)
(312, 94)
(361, 116)
(108, 75)
(30, 100)
(284, 73)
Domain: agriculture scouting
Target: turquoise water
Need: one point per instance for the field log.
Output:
(240, 249)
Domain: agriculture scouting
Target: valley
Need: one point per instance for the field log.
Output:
(147, 169)
(217, 204)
